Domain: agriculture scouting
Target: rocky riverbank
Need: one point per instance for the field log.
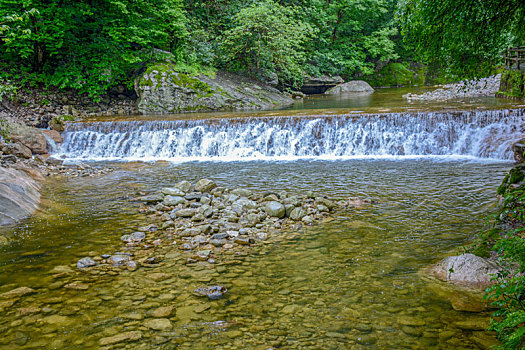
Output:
(37, 107)
(202, 222)
(464, 89)
(24, 165)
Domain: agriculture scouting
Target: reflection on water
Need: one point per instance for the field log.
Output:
(349, 283)
(392, 98)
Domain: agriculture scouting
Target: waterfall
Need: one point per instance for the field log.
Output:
(472, 134)
(51, 144)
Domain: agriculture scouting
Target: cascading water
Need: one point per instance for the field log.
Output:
(472, 134)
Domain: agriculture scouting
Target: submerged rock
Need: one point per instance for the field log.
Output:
(85, 262)
(122, 337)
(205, 185)
(17, 293)
(212, 292)
(159, 324)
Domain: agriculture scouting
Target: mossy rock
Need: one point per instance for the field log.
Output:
(163, 89)
(168, 74)
(513, 83)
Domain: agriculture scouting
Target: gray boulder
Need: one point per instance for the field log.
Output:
(354, 86)
(467, 270)
(298, 213)
(275, 209)
(173, 200)
(205, 185)
(184, 186)
(173, 191)
(243, 204)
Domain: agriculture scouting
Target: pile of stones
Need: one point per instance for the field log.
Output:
(467, 88)
(201, 221)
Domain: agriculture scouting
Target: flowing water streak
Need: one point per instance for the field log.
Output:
(472, 134)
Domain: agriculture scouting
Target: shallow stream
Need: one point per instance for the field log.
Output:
(353, 282)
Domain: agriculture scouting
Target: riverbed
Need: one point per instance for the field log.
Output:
(351, 282)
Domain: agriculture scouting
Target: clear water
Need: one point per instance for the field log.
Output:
(354, 282)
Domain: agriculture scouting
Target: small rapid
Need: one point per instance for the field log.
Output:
(487, 134)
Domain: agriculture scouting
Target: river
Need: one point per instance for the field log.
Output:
(353, 282)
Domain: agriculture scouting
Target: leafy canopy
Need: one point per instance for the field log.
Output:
(90, 45)
(268, 38)
(464, 35)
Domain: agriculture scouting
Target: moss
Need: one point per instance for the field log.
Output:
(202, 89)
(503, 187)
(487, 240)
(516, 175)
(512, 83)
(482, 250)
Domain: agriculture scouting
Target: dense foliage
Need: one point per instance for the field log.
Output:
(91, 45)
(465, 36)
(268, 38)
(507, 241)
(88, 45)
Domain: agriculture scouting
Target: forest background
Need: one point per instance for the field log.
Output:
(90, 46)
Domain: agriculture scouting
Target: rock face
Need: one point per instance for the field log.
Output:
(354, 86)
(30, 137)
(162, 90)
(19, 196)
(318, 85)
(467, 270)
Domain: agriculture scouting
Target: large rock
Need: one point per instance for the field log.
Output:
(275, 209)
(163, 90)
(467, 270)
(19, 195)
(354, 86)
(30, 137)
(18, 150)
(53, 135)
(205, 185)
(318, 85)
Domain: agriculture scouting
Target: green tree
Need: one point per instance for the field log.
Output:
(268, 38)
(466, 36)
(91, 45)
(353, 35)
